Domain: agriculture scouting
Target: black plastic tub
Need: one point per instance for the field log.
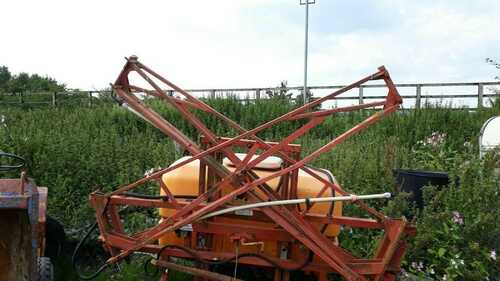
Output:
(412, 181)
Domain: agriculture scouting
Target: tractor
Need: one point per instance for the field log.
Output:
(23, 207)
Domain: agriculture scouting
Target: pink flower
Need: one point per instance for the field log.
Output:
(435, 139)
(457, 218)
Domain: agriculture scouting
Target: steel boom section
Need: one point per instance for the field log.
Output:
(243, 179)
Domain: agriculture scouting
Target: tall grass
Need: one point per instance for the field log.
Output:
(75, 150)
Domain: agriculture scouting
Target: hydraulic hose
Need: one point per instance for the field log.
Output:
(145, 196)
(105, 265)
(194, 255)
(21, 160)
(91, 229)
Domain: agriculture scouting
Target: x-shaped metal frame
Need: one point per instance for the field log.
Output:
(243, 179)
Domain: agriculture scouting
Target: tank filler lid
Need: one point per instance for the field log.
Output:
(270, 163)
(489, 137)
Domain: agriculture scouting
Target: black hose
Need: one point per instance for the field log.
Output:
(91, 229)
(145, 196)
(146, 270)
(12, 167)
(194, 255)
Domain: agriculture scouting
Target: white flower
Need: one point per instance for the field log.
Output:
(445, 277)
(458, 219)
(418, 266)
(404, 273)
(493, 255)
(431, 271)
(149, 172)
(435, 139)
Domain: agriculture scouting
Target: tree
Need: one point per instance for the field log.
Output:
(24, 82)
(39, 83)
(20, 83)
(280, 92)
(299, 100)
(4, 77)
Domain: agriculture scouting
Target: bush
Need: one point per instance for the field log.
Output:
(76, 150)
(458, 230)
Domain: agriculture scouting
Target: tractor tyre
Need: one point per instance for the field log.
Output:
(45, 269)
(55, 238)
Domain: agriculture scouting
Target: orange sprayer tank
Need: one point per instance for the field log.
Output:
(184, 183)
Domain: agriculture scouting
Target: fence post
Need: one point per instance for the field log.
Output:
(21, 99)
(418, 96)
(257, 94)
(54, 97)
(212, 94)
(480, 89)
(90, 98)
(360, 90)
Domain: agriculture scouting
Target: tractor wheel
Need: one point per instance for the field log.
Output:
(45, 269)
(55, 238)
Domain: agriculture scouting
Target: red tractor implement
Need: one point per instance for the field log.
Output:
(23, 207)
(265, 208)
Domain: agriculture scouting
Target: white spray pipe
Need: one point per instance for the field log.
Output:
(296, 201)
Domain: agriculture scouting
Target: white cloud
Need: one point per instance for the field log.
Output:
(245, 43)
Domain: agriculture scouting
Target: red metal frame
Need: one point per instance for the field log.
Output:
(295, 226)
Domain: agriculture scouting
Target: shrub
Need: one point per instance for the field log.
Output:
(75, 150)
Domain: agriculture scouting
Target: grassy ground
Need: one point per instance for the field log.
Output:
(74, 150)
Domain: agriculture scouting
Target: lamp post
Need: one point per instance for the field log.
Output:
(306, 3)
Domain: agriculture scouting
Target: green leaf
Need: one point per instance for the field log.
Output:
(441, 252)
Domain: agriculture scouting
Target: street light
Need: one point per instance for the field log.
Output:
(306, 3)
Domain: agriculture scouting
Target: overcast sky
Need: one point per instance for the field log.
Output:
(251, 43)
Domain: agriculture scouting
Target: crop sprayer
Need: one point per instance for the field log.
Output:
(264, 206)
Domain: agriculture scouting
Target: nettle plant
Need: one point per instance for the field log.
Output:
(458, 230)
(432, 152)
